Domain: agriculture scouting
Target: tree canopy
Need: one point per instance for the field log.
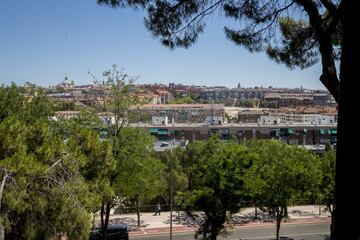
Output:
(297, 33)
(217, 184)
(42, 192)
(327, 185)
(54, 173)
(281, 175)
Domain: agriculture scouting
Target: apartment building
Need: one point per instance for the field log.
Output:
(183, 113)
(296, 118)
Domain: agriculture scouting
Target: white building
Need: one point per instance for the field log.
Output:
(295, 118)
(107, 117)
(319, 119)
(214, 120)
(314, 119)
(160, 120)
(269, 120)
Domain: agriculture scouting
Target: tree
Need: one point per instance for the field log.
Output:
(142, 175)
(218, 184)
(281, 174)
(317, 30)
(66, 106)
(189, 157)
(126, 151)
(95, 158)
(182, 100)
(11, 102)
(180, 180)
(42, 193)
(327, 186)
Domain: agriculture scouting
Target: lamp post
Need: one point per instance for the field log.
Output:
(171, 186)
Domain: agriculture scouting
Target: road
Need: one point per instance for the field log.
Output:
(314, 231)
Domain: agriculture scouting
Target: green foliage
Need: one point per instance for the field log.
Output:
(298, 47)
(41, 174)
(178, 24)
(121, 99)
(67, 127)
(95, 160)
(245, 103)
(296, 33)
(39, 107)
(43, 193)
(182, 100)
(180, 181)
(327, 187)
(218, 183)
(31, 108)
(11, 102)
(54, 184)
(189, 157)
(133, 169)
(141, 172)
(282, 175)
(67, 106)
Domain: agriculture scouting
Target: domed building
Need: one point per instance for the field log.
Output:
(67, 83)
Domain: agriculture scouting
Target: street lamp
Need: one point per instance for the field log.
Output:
(171, 185)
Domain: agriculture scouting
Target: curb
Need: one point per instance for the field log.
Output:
(186, 229)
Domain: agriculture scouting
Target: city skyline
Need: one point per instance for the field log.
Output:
(45, 41)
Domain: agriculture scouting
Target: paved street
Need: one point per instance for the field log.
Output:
(304, 222)
(313, 231)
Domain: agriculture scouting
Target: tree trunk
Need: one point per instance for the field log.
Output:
(107, 216)
(213, 232)
(332, 229)
(256, 211)
(278, 222)
(137, 211)
(2, 228)
(347, 214)
(93, 221)
(3, 181)
(102, 211)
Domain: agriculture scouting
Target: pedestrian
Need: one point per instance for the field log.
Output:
(157, 209)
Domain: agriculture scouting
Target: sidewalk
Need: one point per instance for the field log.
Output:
(160, 224)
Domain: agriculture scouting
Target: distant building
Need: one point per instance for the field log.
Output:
(67, 83)
(165, 96)
(300, 134)
(215, 120)
(149, 98)
(183, 113)
(324, 99)
(269, 120)
(250, 116)
(159, 120)
(295, 118)
(288, 99)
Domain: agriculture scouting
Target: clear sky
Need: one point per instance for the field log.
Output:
(42, 41)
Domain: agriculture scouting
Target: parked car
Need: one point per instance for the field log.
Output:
(114, 232)
(164, 144)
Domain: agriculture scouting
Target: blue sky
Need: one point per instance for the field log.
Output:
(42, 41)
